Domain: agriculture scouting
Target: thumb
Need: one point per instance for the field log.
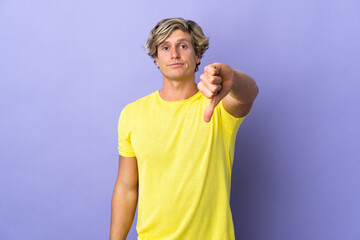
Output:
(210, 109)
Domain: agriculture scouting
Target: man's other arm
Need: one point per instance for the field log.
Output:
(239, 100)
(124, 199)
(237, 90)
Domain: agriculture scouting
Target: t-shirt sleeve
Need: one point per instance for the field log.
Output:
(124, 135)
(230, 122)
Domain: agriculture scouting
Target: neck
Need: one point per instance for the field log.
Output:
(175, 90)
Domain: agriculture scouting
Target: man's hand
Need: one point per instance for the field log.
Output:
(216, 82)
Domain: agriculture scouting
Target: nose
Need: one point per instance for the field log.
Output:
(174, 53)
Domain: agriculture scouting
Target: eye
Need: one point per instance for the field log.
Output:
(183, 46)
(165, 48)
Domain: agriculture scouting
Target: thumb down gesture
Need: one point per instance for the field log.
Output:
(215, 83)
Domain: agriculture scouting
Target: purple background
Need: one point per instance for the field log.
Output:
(67, 68)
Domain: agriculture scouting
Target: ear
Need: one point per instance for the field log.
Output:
(156, 61)
(198, 58)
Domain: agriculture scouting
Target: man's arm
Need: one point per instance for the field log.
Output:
(124, 200)
(237, 89)
(239, 100)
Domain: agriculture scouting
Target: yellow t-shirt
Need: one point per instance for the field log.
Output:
(184, 167)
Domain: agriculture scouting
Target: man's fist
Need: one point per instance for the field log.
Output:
(215, 83)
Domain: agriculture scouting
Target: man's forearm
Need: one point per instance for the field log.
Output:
(244, 88)
(123, 207)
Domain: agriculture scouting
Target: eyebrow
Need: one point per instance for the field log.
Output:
(180, 40)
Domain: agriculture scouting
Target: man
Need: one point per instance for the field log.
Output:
(177, 144)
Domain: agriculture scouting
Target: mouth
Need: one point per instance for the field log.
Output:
(175, 64)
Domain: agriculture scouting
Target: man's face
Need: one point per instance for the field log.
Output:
(176, 56)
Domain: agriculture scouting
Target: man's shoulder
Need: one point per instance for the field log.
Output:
(146, 99)
(141, 103)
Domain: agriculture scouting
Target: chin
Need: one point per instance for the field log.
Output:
(176, 77)
(179, 76)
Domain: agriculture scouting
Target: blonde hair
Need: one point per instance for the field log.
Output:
(165, 27)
